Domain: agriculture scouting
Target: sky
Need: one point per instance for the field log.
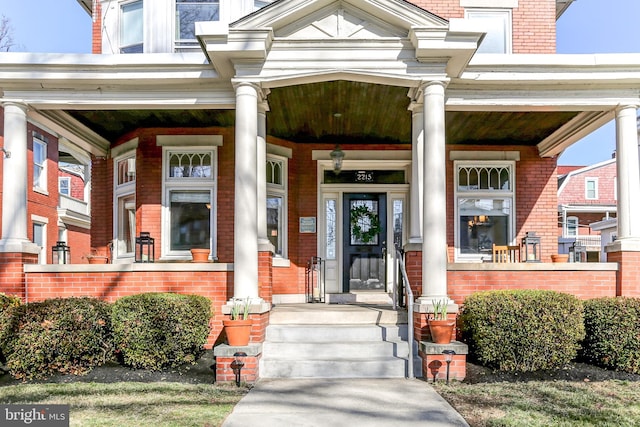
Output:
(588, 26)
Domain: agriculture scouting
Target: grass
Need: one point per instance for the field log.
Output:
(124, 404)
(546, 403)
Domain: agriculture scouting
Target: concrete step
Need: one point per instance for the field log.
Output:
(332, 333)
(335, 368)
(336, 341)
(335, 314)
(335, 350)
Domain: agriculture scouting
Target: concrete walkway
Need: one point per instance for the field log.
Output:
(343, 402)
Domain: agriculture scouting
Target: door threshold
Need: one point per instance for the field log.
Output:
(360, 297)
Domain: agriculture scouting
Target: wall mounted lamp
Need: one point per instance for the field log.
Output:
(337, 156)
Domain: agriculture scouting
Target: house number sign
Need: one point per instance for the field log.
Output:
(364, 176)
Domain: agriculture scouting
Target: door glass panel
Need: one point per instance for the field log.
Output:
(364, 222)
(330, 206)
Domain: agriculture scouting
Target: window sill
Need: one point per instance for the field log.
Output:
(280, 262)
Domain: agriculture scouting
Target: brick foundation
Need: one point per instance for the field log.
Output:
(224, 356)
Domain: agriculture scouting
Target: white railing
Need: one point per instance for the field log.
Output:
(399, 265)
(589, 241)
(74, 205)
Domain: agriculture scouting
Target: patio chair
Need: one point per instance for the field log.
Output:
(506, 253)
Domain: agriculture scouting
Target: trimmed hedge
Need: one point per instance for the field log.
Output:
(613, 333)
(8, 323)
(523, 330)
(62, 335)
(159, 330)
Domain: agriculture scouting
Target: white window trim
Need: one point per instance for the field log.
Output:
(119, 191)
(586, 189)
(36, 185)
(566, 226)
(173, 184)
(44, 222)
(479, 194)
(62, 179)
(281, 191)
(469, 12)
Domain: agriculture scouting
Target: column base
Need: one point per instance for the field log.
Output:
(19, 246)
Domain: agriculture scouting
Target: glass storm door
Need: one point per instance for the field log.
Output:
(364, 220)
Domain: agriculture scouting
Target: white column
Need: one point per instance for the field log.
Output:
(434, 223)
(628, 173)
(417, 153)
(245, 244)
(263, 241)
(14, 174)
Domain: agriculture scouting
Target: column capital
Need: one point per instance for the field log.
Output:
(621, 108)
(20, 104)
(425, 84)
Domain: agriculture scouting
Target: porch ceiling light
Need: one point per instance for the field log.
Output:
(337, 156)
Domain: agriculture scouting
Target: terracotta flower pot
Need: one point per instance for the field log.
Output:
(97, 259)
(200, 255)
(441, 330)
(560, 258)
(238, 331)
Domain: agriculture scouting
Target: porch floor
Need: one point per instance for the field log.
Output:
(337, 314)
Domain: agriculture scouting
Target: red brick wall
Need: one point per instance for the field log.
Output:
(628, 282)
(574, 189)
(584, 284)
(79, 241)
(534, 22)
(96, 32)
(111, 285)
(12, 278)
(77, 184)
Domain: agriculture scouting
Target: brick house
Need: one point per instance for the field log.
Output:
(586, 195)
(57, 206)
(220, 125)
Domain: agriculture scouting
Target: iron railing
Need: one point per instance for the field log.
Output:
(403, 280)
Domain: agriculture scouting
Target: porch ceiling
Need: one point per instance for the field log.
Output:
(341, 111)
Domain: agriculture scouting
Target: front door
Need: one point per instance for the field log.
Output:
(365, 219)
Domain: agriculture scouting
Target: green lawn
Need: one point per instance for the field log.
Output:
(546, 403)
(126, 404)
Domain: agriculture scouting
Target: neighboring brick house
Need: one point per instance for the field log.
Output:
(51, 215)
(586, 195)
(447, 117)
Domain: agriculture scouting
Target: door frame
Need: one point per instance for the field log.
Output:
(361, 160)
(381, 198)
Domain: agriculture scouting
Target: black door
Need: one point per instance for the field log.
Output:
(364, 220)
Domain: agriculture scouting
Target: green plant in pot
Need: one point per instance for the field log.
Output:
(440, 326)
(238, 326)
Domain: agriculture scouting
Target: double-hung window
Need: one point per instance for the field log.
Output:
(277, 204)
(39, 164)
(591, 188)
(125, 206)
(572, 226)
(189, 201)
(484, 207)
(188, 12)
(64, 185)
(497, 24)
(131, 27)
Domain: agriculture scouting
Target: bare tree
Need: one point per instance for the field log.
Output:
(6, 34)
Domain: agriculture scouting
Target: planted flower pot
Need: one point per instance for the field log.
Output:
(441, 330)
(238, 331)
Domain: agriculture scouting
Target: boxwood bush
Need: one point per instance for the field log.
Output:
(159, 330)
(522, 330)
(612, 333)
(8, 323)
(61, 335)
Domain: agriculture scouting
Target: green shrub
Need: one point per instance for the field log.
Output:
(8, 323)
(612, 333)
(523, 330)
(159, 330)
(65, 335)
